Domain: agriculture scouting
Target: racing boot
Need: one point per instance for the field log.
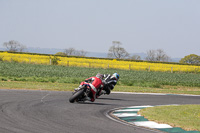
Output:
(88, 98)
(80, 86)
(101, 93)
(76, 89)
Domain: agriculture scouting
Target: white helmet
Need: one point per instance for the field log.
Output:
(99, 75)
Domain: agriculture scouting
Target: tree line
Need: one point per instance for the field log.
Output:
(115, 51)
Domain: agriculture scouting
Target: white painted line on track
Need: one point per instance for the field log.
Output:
(159, 94)
(126, 114)
(126, 110)
(151, 124)
(145, 106)
(44, 97)
(137, 93)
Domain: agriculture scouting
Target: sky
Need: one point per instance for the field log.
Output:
(92, 25)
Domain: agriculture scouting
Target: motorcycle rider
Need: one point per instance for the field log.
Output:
(109, 83)
(96, 85)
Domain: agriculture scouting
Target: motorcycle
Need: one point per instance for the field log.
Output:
(80, 94)
(109, 84)
(84, 91)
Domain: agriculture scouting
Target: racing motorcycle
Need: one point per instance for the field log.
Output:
(80, 95)
(109, 84)
(84, 91)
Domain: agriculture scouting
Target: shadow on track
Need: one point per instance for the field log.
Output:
(114, 99)
(94, 103)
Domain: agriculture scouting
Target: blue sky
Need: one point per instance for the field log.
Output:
(92, 25)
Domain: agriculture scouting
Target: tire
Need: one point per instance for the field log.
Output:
(76, 95)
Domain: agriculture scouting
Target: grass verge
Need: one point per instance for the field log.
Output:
(184, 116)
(70, 87)
(38, 86)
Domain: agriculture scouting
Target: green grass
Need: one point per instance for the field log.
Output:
(62, 74)
(38, 86)
(184, 116)
(70, 87)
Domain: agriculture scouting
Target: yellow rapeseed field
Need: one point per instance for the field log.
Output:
(97, 63)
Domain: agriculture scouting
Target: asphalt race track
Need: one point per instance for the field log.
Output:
(23, 111)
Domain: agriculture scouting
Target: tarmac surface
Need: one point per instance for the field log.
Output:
(29, 111)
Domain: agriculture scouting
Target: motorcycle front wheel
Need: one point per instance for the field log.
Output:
(76, 95)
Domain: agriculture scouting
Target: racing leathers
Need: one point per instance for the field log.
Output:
(96, 86)
(109, 83)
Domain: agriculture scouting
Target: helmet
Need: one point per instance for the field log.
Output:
(116, 75)
(99, 75)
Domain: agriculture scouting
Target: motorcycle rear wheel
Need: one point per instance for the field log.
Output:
(76, 95)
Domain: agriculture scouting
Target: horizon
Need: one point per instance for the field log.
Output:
(89, 53)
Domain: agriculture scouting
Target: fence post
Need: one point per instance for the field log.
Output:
(29, 60)
(171, 69)
(67, 63)
(50, 62)
(129, 66)
(108, 65)
(149, 69)
(89, 65)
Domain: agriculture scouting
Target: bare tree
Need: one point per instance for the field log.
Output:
(22, 48)
(74, 52)
(157, 55)
(162, 56)
(135, 57)
(151, 55)
(116, 51)
(82, 53)
(14, 46)
(70, 51)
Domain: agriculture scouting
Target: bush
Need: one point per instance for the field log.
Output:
(4, 79)
(54, 60)
(1, 58)
(156, 85)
